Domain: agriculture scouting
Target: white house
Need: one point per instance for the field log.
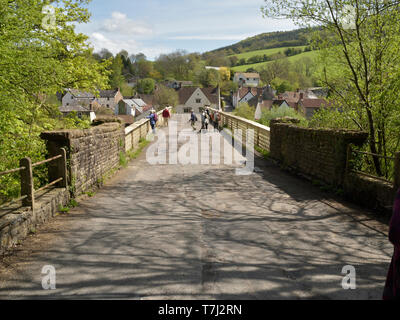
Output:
(197, 99)
(74, 97)
(107, 98)
(131, 107)
(80, 111)
(247, 79)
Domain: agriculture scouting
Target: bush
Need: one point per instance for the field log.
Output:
(279, 112)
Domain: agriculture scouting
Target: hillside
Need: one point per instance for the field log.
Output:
(258, 66)
(294, 38)
(267, 52)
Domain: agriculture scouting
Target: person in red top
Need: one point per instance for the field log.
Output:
(166, 115)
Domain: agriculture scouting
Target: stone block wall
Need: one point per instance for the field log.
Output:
(317, 153)
(17, 222)
(91, 153)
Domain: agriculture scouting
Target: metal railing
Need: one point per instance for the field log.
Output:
(28, 192)
(362, 163)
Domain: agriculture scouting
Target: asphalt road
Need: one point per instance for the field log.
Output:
(203, 232)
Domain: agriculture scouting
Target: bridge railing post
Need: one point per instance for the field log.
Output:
(27, 184)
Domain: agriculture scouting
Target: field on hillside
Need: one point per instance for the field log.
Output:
(268, 52)
(257, 66)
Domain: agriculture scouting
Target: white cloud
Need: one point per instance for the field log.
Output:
(116, 44)
(209, 37)
(121, 24)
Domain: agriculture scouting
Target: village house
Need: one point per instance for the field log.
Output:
(132, 107)
(197, 99)
(247, 79)
(251, 95)
(74, 97)
(110, 98)
(304, 102)
(107, 98)
(81, 111)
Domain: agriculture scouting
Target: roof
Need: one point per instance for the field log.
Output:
(108, 93)
(77, 108)
(80, 94)
(139, 102)
(185, 93)
(211, 94)
(147, 98)
(248, 74)
(313, 103)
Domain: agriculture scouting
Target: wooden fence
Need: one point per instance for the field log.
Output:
(28, 191)
(391, 175)
(261, 132)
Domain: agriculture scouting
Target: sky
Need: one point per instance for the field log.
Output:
(154, 27)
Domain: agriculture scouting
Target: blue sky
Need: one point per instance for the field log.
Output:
(154, 26)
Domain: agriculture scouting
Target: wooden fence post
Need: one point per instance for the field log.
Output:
(348, 159)
(63, 169)
(27, 185)
(397, 171)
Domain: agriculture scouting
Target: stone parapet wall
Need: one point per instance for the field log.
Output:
(17, 222)
(318, 153)
(91, 153)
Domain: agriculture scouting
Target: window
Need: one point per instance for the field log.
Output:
(187, 110)
(198, 100)
(248, 79)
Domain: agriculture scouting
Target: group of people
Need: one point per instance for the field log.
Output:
(207, 116)
(154, 118)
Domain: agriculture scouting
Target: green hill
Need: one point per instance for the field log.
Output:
(280, 39)
(267, 52)
(257, 66)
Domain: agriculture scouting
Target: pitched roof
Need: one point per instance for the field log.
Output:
(185, 93)
(80, 94)
(148, 98)
(248, 74)
(71, 108)
(313, 103)
(211, 94)
(108, 93)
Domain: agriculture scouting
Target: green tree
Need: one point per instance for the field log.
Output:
(359, 46)
(116, 78)
(37, 60)
(146, 86)
(209, 78)
(245, 111)
(166, 97)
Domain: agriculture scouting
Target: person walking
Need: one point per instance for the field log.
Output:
(392, 286)
(216, 120)
(206, 122)
(166, 115)
(193, 120)
(153, 120)
(203, 121)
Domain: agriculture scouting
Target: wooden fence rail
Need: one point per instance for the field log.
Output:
(26, 177)
(396, 166)
(261, 132)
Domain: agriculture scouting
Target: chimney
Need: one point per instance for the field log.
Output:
(301, 95)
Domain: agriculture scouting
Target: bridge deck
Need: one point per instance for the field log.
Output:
(203, 232)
